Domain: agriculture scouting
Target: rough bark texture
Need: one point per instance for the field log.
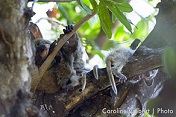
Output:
(15, 58)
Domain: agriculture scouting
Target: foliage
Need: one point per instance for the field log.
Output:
(108, 7)
(108, 11)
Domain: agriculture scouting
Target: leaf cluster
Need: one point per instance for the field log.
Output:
(111, 10)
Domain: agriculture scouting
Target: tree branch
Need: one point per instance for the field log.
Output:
(143, 60)
(50, 19)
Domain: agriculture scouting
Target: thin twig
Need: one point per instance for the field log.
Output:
(64, 39)
(52, 20)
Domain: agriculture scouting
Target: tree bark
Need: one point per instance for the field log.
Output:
(15, 59)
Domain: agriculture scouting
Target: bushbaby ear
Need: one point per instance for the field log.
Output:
(35, 31)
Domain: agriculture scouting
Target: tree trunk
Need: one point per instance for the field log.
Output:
(15, 59)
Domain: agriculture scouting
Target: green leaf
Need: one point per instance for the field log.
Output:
(119, 15)
(105, 19)
(94, 5)
(84, 6)
(113, 18)
(120, 34)
(142, 29)
(125, 7)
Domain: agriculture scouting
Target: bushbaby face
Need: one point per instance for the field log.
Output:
(42, 47)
